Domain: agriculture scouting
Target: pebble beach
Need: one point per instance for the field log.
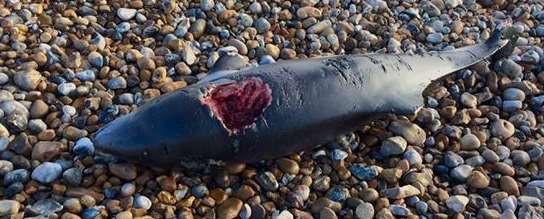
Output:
(475, 150)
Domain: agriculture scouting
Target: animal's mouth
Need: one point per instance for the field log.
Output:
(238, 105)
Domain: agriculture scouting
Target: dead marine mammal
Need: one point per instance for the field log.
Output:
(277, 109)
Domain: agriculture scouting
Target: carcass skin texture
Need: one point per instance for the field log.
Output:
(277, 109)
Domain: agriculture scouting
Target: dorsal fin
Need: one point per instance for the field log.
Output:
(229, 62)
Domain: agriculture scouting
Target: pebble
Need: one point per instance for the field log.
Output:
(469, 100)
(413, 157)
(9, 207)
(95, 59)
(461, 172)
(46, 150)
(285, 214)
(511, 69)
(28, 79)
(117, 83)
(453, 160)
(470, 142)
(200, 191)
(230, 208)
(72, 205)
(73, 176)
(513, 94)
(46, 207)
(457, 203)
(16, 176)
(435, 37)
(400, 210)
(502, 129)
(401, 192)
(268, 181)
(68, 69)
(84, 147)
(126, 13)
(5, 167)
(262, 25)
(207, 5)
(364, 173)
(4, 78)
(47, 172)
(128, 189)
(364, 210)
(288, 166)
(520, 158)
(86, 75)
(393, 146)
(66, 88)
(124, 171)
(142, 202)
(478, 180)
(245, 212)
(509, 185)
(412, 133)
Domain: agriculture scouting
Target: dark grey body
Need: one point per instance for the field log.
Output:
(313, 101)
